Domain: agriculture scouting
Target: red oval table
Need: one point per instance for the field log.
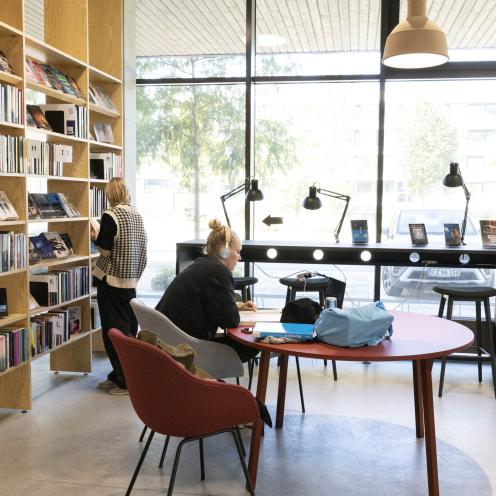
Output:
(417, 338)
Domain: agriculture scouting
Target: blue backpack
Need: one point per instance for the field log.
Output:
(361, 326)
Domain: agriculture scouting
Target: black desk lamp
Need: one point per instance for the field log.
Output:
(312, 202)
(453, 180)
(253, 194)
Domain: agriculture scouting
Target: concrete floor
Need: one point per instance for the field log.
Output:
(356, 438)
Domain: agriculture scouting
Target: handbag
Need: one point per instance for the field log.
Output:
(367, 325)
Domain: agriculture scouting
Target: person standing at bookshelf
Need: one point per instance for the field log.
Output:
(121, 241)
(201, 298)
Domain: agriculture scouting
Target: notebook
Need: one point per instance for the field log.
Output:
(283, 330)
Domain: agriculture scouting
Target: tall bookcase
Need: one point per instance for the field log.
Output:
(82, 38)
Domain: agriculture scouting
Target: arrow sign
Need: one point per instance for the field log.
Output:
(272, 220)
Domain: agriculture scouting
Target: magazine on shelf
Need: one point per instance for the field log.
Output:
(74, 319)
(39, 73)
(76, 88)
(4, 64)
(30, 76)
(57, 243)
(68, 207)
(452, 234)
(418, 234)
(103, 132)
(43, 247)
(7, 210)
(359, 232)
(49, 205)
(68, 242)
(34, 256)
(38, 117)
(62, 117)
(33, 211)
(488, 233)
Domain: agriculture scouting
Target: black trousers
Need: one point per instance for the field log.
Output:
(115, 311)
(245, 353)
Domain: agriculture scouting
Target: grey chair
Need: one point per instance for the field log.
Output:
(218, 359)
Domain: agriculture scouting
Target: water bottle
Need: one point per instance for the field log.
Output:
(331, 302)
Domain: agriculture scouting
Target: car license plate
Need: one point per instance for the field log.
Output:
(443, 272)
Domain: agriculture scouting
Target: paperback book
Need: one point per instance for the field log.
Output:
(57, 243)
(488, 233)
(43, 247)
(38, 117)
(103, 132)
(7, 210)
(418, 234)
(452, 235)
(4, 64)
(359, 232)
(74, 320)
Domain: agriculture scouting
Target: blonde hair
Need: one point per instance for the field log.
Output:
(219, 236)
(117, 192)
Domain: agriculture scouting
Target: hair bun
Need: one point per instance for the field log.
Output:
(214, 224)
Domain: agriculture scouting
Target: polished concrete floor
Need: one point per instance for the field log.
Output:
(357, 438)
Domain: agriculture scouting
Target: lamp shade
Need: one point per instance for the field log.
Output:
(312, 201)
(416, 42)
(254, 194)
(454, 178)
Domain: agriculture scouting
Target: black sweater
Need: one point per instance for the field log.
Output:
(201, 298)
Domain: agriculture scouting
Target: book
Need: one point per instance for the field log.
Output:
(57, 244)
(34, 256)
(302, 332)
(74, 320)
(39, 73)
(69, 208)
(76, 88)
(359, 232)
(29, 72)
(51, 75)
(418, 234)
(38, 117)
(4, 64)
(33, 211)
(488, 233)
(48, 204)
(7, 210)
(43, 287)
(61, 116)
(100, 97)
(68, 242)
(452, 234)
(103, 132)
(4, 308)
(43, 247)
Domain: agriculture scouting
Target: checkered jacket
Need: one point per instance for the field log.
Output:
(127, 259)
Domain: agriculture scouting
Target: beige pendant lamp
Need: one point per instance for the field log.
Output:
(416, 42)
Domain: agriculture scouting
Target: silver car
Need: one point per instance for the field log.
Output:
(397, 279)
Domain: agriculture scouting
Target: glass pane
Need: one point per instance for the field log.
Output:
(469, 27)
(439, 122)
(190, 38)
(323, 134)
(317, 37)
(191, 149)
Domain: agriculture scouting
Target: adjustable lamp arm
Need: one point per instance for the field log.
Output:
(228, 195)
(464, 224)
(339, 196)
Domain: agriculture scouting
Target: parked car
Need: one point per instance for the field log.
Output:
(397, 279)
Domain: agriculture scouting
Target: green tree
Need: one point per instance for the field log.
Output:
(193, 128)
(430, 143)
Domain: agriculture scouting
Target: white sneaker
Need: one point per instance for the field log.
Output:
(106, 384)
(117, 391)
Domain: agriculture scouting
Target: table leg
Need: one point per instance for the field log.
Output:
(417, 398)
(263, 373)
(430, 430)
(281, 392)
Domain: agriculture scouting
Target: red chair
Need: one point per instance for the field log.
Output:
(201, 408)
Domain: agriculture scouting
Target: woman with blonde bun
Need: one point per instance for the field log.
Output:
(201, 298)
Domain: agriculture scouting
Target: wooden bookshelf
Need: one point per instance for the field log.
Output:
(83, 39)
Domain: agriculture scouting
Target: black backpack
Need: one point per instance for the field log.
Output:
(301, 311)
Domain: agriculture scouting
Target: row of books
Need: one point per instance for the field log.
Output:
(100, 97)
(49, 246)
(11, 104)
(54, 328)
(47, 158)
(11, 154)
(12, 251)
(63, 118)
(98, 201)
(50, 205)
(51, 77)
(55, 287)
(14, 347)
(105, 165)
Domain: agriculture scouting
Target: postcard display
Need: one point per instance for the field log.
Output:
(46, 142)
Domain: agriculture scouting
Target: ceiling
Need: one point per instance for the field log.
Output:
(186, 27)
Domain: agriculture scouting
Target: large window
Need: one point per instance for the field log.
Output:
(321, 111)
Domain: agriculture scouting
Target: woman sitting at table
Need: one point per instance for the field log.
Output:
(201, 298)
